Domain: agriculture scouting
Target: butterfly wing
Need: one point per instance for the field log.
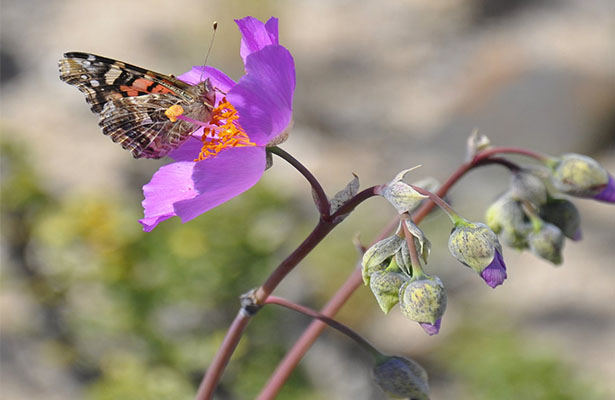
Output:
(140, 125)
(103, 79)
(131, 102)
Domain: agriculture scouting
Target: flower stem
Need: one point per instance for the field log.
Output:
(320, 197)
(309, 336)
(511, 150)
(417, 270)
(320, 231)
(440, 203)
(216, 368)
(331, 322)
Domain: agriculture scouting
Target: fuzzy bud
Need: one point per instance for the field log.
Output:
(402, 377)
(529, 187)
(424, 300)
(507, 218)
(401, 195)
(376, 255)
(547, 242)
(476, 246)
(385, 286)
(582, 176)
(563, 214)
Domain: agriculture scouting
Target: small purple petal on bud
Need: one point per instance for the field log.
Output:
(578, 235)
(608, 193)
(495, 274)
(431, 329)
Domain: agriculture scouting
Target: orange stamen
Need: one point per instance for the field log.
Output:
(223, 132)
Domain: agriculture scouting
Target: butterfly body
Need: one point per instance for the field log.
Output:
(131, 102)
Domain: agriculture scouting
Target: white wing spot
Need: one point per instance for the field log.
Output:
(94, 83)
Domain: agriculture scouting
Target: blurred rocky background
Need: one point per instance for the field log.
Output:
(92, 308)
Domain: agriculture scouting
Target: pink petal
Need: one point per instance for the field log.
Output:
(264, 96)
(256, 35)
(217, 78)
(188, 189)
(219, 179)
(171, 183)
(190, 149)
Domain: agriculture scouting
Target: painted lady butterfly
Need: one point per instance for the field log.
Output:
(131, 102)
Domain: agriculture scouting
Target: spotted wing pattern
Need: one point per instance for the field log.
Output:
(131, 102)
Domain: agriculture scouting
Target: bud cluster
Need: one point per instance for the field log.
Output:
(527, 216)
(393, 277)
(393, 270)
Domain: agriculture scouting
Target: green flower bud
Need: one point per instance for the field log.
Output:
(385, 286)
(579, 175)
(376, 255)
(527, 186)
(400, 376)
(563, 214)
(476, 246)
(547, 242)
(400, 194)
(507, 218)
(423, 300)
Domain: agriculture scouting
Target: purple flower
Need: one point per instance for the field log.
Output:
(254, 113)
(432, 329)
(495, 273)
(608, 193)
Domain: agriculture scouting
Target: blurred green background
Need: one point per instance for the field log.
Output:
(91, 307)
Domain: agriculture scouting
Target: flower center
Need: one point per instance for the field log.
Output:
(222, 131)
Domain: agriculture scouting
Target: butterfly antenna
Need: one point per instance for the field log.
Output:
(211, 43)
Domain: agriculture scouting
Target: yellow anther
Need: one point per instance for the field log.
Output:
(173, 112)
(223, 132)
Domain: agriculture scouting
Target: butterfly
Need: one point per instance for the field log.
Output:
(131, 102)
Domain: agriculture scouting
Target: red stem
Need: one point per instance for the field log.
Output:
(216, 368)
(331, 322)
(292, 358)
(510, 150)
